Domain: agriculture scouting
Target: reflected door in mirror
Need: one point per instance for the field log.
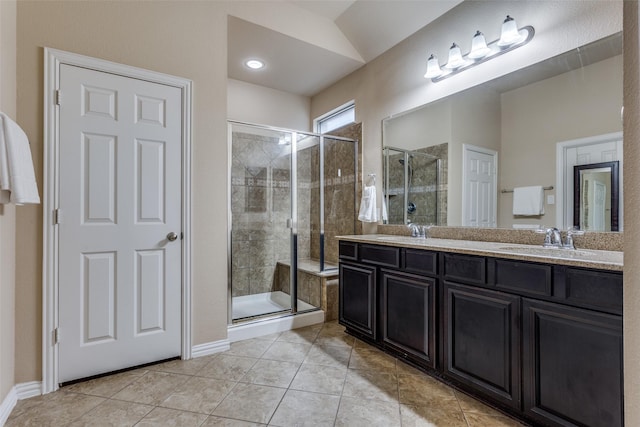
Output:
(596, 197)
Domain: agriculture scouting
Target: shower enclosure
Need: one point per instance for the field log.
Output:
(412, 187)
(290, 193)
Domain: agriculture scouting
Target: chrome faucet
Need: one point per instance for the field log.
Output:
(419, 230)
(552, 238)
(415, 229)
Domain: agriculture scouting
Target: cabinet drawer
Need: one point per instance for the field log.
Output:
(591, 288)
(349, 250)
(522, 277)
(464, 268)
(421, 262)
(386, 256)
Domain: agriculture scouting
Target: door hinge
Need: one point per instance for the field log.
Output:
(58, 98)
(57, 216)
(56, 336)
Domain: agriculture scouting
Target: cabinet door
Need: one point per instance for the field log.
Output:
(572, 365)
(482, 341)
(408, 316)
(357, 302)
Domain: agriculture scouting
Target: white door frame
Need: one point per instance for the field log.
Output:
(494, 202)
(53, 58)
(563, 212)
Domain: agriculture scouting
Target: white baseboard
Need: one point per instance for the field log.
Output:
(18, 392)
(261, 328)
(30, 389)
(7, 405)
(209, 348)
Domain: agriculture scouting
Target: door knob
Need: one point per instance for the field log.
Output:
(172, 236)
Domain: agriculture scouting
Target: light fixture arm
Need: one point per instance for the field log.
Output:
(527, 33)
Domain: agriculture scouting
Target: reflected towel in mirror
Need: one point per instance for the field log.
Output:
(528, 200)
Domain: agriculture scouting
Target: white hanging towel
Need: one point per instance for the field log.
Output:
(528, 200)
(368, 212)
(17, 177)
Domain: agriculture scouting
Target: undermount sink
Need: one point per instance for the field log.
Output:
(552, 252)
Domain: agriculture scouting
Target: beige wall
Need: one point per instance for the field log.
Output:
(251, 103)
(394, 82)
(631, 320)
(182, 38)
(578, 104)
(7, 212)
(474, 121)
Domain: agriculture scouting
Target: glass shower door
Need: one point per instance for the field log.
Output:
(261, 212)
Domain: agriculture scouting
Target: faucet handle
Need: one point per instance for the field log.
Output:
(568, 240)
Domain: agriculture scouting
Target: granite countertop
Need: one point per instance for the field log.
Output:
(588, 258)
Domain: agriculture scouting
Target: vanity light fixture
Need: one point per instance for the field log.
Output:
(510, 38)
(254, 64)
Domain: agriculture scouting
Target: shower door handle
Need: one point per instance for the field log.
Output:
(289, 222)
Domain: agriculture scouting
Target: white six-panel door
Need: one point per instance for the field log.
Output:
(479, 187)
(120, 199)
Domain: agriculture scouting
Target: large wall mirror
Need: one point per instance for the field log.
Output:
(505, 134)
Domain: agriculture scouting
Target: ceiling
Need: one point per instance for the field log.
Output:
(307, 45)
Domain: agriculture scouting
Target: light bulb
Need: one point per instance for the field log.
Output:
(509, 34)
(455, 58)
(479, 47)
(433, 67)
(254, 64)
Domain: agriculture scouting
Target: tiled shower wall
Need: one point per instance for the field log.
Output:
(260, 206)
(426, 193)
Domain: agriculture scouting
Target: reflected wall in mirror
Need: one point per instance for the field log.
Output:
(522, 116)
(596, 196)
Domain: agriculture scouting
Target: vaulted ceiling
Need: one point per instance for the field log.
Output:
(307, 45)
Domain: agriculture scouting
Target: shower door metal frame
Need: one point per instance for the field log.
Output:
(293, 220)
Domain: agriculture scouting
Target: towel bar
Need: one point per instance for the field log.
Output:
(544, 188)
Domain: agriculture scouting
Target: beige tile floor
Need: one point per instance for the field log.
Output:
(313, 376)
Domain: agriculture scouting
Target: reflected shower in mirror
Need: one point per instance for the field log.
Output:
(596, 196)
(413, 187)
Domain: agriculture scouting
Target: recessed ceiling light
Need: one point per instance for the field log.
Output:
(254, 64)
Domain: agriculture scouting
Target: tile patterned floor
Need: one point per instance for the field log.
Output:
(313, 376)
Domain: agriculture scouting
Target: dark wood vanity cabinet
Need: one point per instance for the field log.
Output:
(482, 341)
(358, 300)
(572, 365)
(408, 316)
(541, 341)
